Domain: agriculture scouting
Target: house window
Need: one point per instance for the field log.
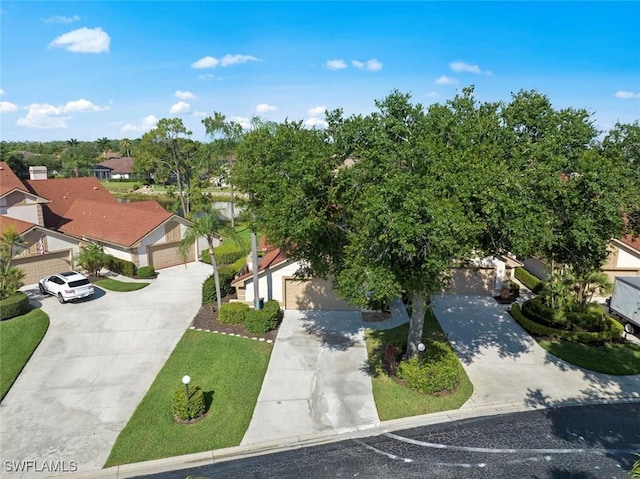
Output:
(172, 232)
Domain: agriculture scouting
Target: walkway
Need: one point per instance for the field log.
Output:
(317, 379)
(91, 370)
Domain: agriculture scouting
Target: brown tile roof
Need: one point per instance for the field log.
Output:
(271, 258)
(118, 165)
(630, 241)
(116, 223)
(8, 180)
(19, 225)
(63, 192)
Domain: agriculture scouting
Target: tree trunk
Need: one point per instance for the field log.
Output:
(416, 324)
(216, 277)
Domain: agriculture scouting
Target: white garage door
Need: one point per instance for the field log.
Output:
(313, 294)
(166, 254)
(39, 266)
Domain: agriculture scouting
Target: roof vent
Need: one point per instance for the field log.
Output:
(95, 187)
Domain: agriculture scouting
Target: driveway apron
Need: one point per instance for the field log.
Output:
(91, 370)
(506, 366)
(317, 379)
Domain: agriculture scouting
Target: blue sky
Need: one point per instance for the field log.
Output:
(87, 70)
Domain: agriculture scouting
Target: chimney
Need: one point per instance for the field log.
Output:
(37, 172)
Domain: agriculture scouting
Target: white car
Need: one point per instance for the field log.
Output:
(66, 286)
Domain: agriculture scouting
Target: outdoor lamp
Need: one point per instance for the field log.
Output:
(186, 380)
(421, 348)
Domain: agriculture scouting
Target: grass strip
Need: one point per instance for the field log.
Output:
(19, 338)
(230, 371)
(393, 399)
(618, 359)
(120, 286)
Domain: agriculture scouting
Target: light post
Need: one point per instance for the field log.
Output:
(186, 380)
(421, 348)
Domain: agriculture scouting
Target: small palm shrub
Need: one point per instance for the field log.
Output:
(189, 408)
(437, 371)
(92, 258)
(233, 313)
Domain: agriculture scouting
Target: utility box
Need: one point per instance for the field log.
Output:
(625, 302)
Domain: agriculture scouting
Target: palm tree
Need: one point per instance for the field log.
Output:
(73, 142)
(103, 144)
(10, 276)
(125, 147)
(210, 226)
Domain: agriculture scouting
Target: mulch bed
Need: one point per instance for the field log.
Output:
(207, 318)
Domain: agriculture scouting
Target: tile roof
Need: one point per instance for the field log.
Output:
(8, 180)
(117, 223)
(118, 165)
(19, 225)
(271, 258)
(63, 192)
(630, 241)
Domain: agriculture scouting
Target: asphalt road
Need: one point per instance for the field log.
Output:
(579, 442)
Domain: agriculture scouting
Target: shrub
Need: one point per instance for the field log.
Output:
(529, 280)
(226, 274)
(188, 408)
(233, 313)
(92, 258)
(121, 266)
(229, 253)
(514, 289)
(437, 371)
(15, 305)
(613, 329)
(205, 257)
(209, 290)
(593, 320)
(146, 272)
(263, 320)
(239, 264)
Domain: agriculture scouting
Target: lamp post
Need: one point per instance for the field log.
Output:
(186, 380)
(421, 348)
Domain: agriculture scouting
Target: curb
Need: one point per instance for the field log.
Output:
(208, 458)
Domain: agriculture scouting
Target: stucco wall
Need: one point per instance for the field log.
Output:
(271, 283)
(626, 259)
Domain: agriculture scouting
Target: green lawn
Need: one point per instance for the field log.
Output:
(619, 359)
(120, 286)
(230, 370)
(19, 338)
(394, 400)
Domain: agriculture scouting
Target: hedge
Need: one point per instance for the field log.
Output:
(593, 320)
(529, 280)
(14, 305)
(437, 371)
(185, 408)
(121, 266)
(263, 320)
(145, 272)
(226, 273)
(614, 332)
(229, 253)
(233, 313)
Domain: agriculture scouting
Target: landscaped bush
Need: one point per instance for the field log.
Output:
(263, 320)
(185, 408)
(233, 313)
(205, 257)
(14, 305)
(593, 320)
(145, 272)
(229, 253)
(226, 275)
(209, 290)
(529, 280)
(121, 266)
(613, 329)
(514, 289)
(437, 371)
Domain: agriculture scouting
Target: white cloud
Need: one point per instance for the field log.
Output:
(61, 19)
(180, 107)
(315, 122)
(6, 107)
(199, 114)
(2, 92)
(371, 65)
(335, 64)
(83, 40)
(185, 95)
(242, 120)
(44, 115)
(227, 60)
(265, 108)
(462, 67)
(627, 94)
(317, 110)
(445, 80)
(148, 122)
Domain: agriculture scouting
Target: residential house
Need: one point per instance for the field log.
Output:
(63, 214)
(115, 168)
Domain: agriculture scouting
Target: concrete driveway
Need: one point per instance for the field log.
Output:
(317, 380)
(91, 370)
(508, 368)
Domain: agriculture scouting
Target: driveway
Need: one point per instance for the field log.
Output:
(91, 370)
(507, 367)
(317, 379)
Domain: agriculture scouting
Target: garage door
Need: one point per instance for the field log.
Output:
(313, 294)
(166, 254)
(472, 281)
(39, 266)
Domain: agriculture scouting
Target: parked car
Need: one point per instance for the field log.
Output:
(66, 286)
